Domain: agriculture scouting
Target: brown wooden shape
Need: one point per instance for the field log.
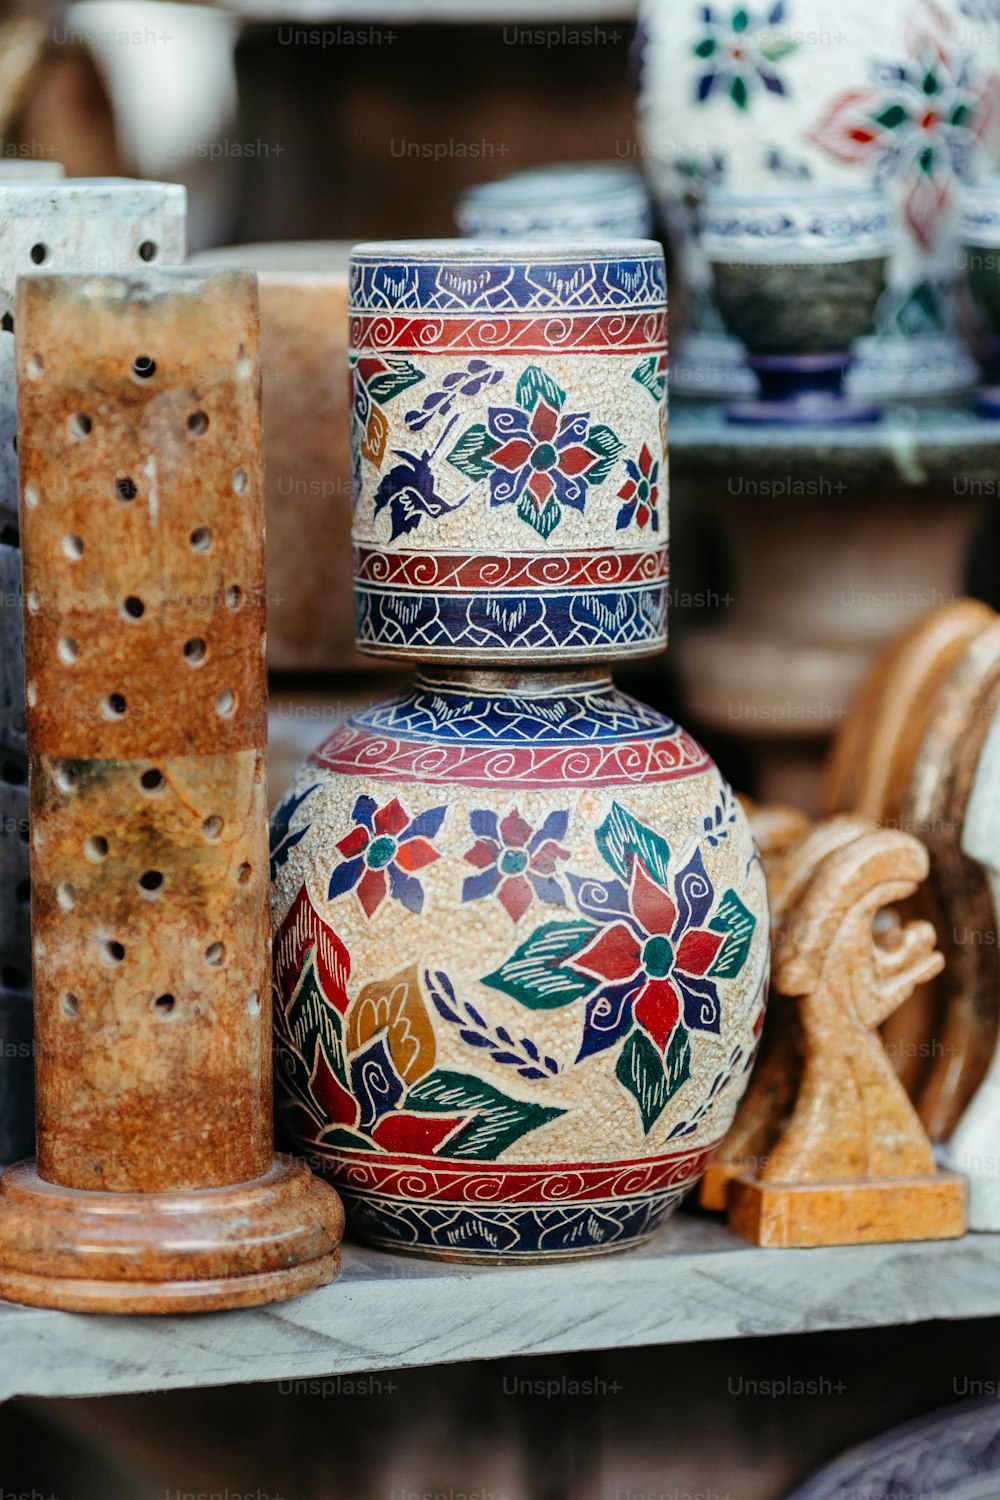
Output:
(149, 826)
(906, 757)
(853, 1126)
(937, 798)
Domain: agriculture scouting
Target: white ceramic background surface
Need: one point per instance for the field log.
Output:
(901, 95)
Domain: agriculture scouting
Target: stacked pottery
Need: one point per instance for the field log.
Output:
(836, 94)
(587, 199)
(521, 931)
(798, 280)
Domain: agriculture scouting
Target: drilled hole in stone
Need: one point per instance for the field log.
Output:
(212, 826)
(240, 481)
(143, 367)
(133, 609)
(214, 954)
(41, 948)
(66, 778)
(34, 601)
(80, 424)
(164, 1004)
(125, 488)
(7, 322)
(39, 253)
(70, 1005)
(114, 706)
(96, 847)
(13, 978)
(225, 703)
(197, 423)
(31, 693)
(151, 780)
(39, 835)
(13, 773)
(234, 596)
(243, 873)
(150, 881)
(34, 367)
(31, 496)
(66, 895)
(22, 892)
(201, 539)
(148, 250)
(194, 651)
(73, 547)
(112, 951)
(253, 1002)
(68, 650)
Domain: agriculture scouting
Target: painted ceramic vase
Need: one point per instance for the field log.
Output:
(840, 94)
(797, 278)
(577, 201)
(520, 924)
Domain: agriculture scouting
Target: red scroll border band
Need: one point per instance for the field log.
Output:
(424, 1178)
(580, 333)
(520, 570)
(351, 751)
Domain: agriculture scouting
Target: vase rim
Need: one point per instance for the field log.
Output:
(506, 250)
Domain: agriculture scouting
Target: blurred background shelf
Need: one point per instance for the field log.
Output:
(692, 1283)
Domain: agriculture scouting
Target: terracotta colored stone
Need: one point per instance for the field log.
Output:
(306, 400)
(853, 1163)
(142, 528)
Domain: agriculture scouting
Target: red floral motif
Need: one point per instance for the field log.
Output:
(516, 862)
(640, 492)
(918, 121)
(651, 954)
(382, 853)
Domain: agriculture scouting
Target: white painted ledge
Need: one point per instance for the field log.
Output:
(693, 1282)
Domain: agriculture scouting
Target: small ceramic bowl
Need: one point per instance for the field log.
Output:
(798, 276)
(579, 200)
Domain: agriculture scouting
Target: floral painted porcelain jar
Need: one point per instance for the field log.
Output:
(520, 924)
(901, 96)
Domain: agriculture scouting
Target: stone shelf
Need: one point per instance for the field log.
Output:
(693, 1282)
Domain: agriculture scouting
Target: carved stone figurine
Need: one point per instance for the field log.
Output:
(156, 1187)
(854, 1163)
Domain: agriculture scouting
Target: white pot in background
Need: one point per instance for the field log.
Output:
(902, 95)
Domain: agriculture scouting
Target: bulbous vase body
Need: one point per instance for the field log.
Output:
(520, 965)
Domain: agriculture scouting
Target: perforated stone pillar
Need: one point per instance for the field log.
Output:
(156, 1187)
(45, 223)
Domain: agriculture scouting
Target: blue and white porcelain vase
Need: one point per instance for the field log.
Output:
(902, 97)
(521, 930)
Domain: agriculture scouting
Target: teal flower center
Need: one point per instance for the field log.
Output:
(543, 457)
(380, 851)
(657, 957)
(513, 861)
(643, 491)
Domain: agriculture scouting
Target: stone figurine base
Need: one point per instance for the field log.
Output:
(238, 1246)
(787, 1215)
(713, 1195)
